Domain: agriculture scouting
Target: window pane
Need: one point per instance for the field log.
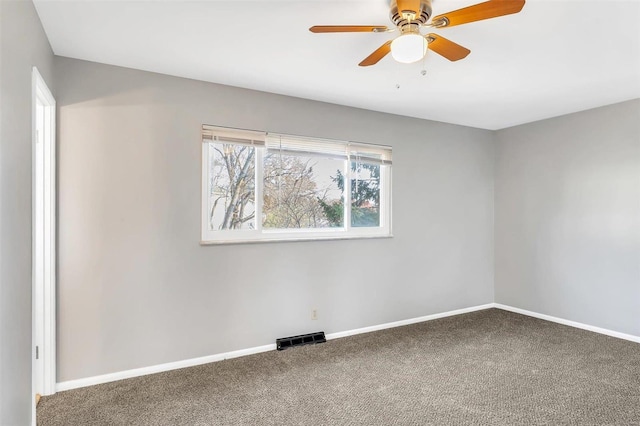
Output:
(365, 194)
(302, 191)
(231, 186)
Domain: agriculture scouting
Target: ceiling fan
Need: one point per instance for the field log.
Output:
(410, 16)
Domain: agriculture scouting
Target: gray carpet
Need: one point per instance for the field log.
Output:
(484, 368)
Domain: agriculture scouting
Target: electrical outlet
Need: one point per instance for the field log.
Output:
(314, 314)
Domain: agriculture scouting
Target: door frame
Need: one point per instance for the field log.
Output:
(44, 245)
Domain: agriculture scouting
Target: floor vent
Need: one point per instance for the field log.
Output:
(304, 339)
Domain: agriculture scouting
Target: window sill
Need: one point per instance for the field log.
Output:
(292, 240)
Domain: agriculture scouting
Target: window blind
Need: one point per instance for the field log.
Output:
(372, 154)
(297, 145)
(234, 136)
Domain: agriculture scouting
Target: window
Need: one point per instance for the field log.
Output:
(270, 187)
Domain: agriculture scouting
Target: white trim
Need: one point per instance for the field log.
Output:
(111, 377)
(43, 273)
(369, 329)
(40, 84)
(159, 368)
(44, 302)
(570, 323)
(204, 186)
(259, 189)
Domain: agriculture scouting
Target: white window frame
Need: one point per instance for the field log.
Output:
(266, 235)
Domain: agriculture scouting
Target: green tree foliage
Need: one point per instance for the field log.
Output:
(365, 196)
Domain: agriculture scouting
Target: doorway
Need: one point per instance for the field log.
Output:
(43, 239)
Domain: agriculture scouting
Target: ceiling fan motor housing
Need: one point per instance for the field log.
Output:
(406, 18)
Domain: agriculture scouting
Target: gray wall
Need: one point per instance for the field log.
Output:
(567, 225)
(23, 44)
(136, 288)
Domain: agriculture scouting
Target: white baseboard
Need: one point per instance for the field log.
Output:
(127, 374)
(570, 323)
(136, 372)
(407, 321)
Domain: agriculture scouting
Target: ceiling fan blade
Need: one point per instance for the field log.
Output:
(444, 47)
(378, 54)
(348, 29)
(478, 12)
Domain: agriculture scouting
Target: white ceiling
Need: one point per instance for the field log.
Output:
(553, 58)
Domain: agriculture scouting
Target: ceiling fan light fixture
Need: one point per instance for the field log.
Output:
(409, 48)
